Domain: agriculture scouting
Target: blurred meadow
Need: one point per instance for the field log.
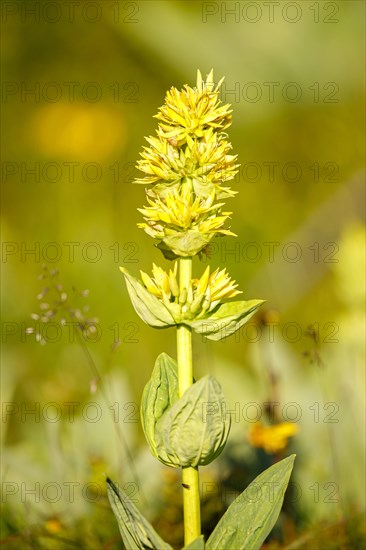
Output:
(81, 82)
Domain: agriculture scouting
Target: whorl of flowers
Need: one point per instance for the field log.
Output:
(186, 167)
(201, 297)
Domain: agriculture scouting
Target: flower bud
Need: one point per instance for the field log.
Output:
(189, 431)
(183, 296)
(194, 430)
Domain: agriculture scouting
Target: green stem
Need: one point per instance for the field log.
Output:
(190, 478)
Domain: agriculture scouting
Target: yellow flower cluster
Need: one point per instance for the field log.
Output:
(202, 295)
(186, 166)
(176, 213)
(205, 162)
(192, 111)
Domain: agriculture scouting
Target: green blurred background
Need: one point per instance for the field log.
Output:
(294, 74)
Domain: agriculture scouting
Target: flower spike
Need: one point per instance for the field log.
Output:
(186, 167)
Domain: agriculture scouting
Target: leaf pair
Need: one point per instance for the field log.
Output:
(222, 321)
(244, 526)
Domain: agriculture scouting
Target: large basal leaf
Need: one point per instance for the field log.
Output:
(136, 531)
(226, 319)
(250, 518)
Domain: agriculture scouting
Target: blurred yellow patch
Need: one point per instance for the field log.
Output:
(272, 438)
(97, 476)
(78, 131)
(350, 267)
(53, 525)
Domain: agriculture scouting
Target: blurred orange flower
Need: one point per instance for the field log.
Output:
(272, 438)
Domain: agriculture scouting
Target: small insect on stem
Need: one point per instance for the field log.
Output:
(185, 486)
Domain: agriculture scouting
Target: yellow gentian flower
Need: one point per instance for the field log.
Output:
(205, 162)
(202, 295)
(192, 111)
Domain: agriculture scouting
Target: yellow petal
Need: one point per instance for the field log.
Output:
(203, 282)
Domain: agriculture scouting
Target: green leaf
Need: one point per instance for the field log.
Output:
(225, 319)
(167, 253)
(147, 306)
(159, 394)
(187, 243)
(136, 531)
(197, 544)
(250, 518)
(193, 431)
